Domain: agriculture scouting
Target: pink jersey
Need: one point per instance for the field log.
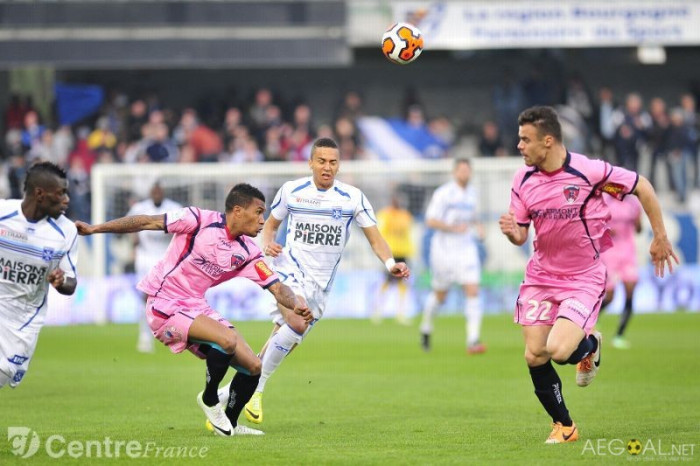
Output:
(621, 259)
(568, 211)
(201, 255)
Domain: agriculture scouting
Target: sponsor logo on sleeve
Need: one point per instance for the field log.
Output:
(614, 189)
(263, 270)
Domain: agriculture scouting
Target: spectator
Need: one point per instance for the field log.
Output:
(658, 136)
(490, 142)
(679, 142)
(606, 126)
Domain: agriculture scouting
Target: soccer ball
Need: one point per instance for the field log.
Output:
(402, 43)
(634, 447)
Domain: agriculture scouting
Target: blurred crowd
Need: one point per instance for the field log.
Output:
(267, 128)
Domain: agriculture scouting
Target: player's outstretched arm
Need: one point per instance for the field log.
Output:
(269, 233)
(383, 252)
(286, 297)
(661, 249)
(130, 224)
(515, 233)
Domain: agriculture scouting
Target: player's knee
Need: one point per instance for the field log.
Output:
(559, 354)
(536, 357)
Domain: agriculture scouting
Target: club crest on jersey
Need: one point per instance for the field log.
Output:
(571, 193)
(337, 213)
(47, 254)
(236, 260)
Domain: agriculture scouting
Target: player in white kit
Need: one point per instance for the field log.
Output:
(38, 247)
(319, 210)
(150, 249)
(453, 212)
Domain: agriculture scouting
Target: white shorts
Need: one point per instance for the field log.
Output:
(16, 351)
(291, 276)
(455, 267)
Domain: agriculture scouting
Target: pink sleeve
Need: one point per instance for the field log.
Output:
(258, 271)
(522, 216)
(619, 182)
(185, 220)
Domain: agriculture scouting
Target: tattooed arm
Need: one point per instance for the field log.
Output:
(286, 297)
(130, 224)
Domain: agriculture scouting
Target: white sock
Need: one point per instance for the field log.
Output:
(431, 305)
(279, 347)
(472, 311)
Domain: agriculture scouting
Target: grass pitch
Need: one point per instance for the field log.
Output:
(358, 393)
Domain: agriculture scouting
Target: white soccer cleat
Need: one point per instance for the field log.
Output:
(216, 417)
(587, 369)
(245, 430)
(223, 396)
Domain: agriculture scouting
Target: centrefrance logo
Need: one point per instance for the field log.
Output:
(640, 449)
(26, 443)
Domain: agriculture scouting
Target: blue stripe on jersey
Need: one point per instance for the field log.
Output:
(528, 175)
(55, 226)
(68, 255)
(300, 187)
(323, 213)
(27, 249)
(242, 243)
(10, 215)
(342, 193)
(277, 198)
(296, 262)
(365, 208)
(43, 301)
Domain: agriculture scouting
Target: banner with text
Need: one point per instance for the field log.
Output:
(517, 24)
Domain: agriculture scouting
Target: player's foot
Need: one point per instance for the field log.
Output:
(223, 394)
(425, 341)
(476, 348)
(238, 430)
(245, 430)
(620, 343)
(562, 434)
(216, 416)
(253, 409)
(587, 368)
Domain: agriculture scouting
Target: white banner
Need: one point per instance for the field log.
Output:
(518, 24)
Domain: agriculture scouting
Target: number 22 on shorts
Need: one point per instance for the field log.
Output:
(538, 310)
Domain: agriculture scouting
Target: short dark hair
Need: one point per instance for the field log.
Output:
(41, 175)
(242, 195)
(323, 142)
(544, 118)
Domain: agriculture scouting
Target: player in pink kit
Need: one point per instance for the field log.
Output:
(621, 260)
(560, 193)
(208, 248)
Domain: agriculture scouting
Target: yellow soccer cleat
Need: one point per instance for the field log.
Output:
(562, 434)
(253, 409)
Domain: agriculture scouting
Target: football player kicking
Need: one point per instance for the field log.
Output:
(320, 210)
(208, 248)
(561, 194)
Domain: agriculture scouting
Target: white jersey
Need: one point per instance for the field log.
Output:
(152, 244)
(453, 205)
(318, 227)
(28, 252)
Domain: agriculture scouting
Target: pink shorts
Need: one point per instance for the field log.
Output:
(171, 323)
(545, 297)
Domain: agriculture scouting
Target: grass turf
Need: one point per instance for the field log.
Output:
(358, 393)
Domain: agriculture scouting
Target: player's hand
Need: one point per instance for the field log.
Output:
(84, 229)
(400, 270)
(273, 249)
(661, 253)
(460, 228)
(302, 309)
(56, 277)
(510, 228)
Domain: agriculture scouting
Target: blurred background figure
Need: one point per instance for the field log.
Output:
(395, 224)
(621, 259)
(149, 248)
